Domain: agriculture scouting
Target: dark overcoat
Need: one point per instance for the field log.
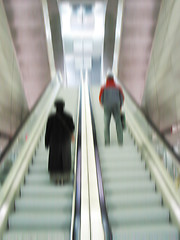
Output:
(58, 135)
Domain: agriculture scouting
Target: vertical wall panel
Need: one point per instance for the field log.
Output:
(54, 15)
(109, 35)
(13, 105)
(138, 27)
(163, 77)
(26, 22)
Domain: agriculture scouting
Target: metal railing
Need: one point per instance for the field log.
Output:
(76, 203)
(104, 214)
(14, 149)
(165, 171)
(168, 157)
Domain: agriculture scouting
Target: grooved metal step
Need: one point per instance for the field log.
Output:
(39, 203)
(162, 231)
(126, 175)
(138, 215)
(36, 235)
(123, 164)
(134, 199)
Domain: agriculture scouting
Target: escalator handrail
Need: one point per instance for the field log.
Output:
(76, 203)
(163, 180)
(175, 156)
(105, 219)
(20, 129)
(11, 186)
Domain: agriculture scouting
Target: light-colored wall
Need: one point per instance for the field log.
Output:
(26, 22)
(54, 15)
(138, 27)
(117, 37)
(48, 39)
(13, 105)
(109, 36)
(162, 91)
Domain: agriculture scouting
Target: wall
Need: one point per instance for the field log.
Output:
(117, 37)
(26, 22)
(57, 43)
(13, 105)
(161, 96)
(109, 36)
(138, 27)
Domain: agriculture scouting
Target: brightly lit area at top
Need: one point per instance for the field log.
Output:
(82, 27)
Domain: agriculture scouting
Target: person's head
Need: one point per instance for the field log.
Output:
(59, 104)
(110, 75)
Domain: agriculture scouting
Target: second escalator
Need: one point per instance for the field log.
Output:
(134, 207)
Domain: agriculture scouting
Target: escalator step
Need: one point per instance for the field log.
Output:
(146, 232)
(122, 165)
(43, 178)
(138, 216)
(126, 175)
(51, 190)
(43, 220)
(121, 155)
(130, 186)
(133, 199)
(39, 168)
(36, 235)
(39, 204)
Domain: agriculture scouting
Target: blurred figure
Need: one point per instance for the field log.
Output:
(58, 137)
(111, 97)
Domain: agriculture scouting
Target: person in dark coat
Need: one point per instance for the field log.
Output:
(58, 137)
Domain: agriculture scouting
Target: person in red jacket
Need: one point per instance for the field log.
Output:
(111, 97)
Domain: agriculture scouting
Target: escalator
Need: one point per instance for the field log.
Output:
(134, 206)
(44, 210)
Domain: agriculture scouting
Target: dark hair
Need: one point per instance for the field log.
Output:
(59, 104)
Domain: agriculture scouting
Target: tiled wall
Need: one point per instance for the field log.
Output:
(13, 105)
(162, 91)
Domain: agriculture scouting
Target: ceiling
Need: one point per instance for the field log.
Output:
(82, 32)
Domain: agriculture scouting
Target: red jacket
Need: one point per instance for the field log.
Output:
(111, 92)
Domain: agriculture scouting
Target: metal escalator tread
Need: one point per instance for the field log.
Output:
(162, 231)
(36, 235)
(43, 209)
(134, 207)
